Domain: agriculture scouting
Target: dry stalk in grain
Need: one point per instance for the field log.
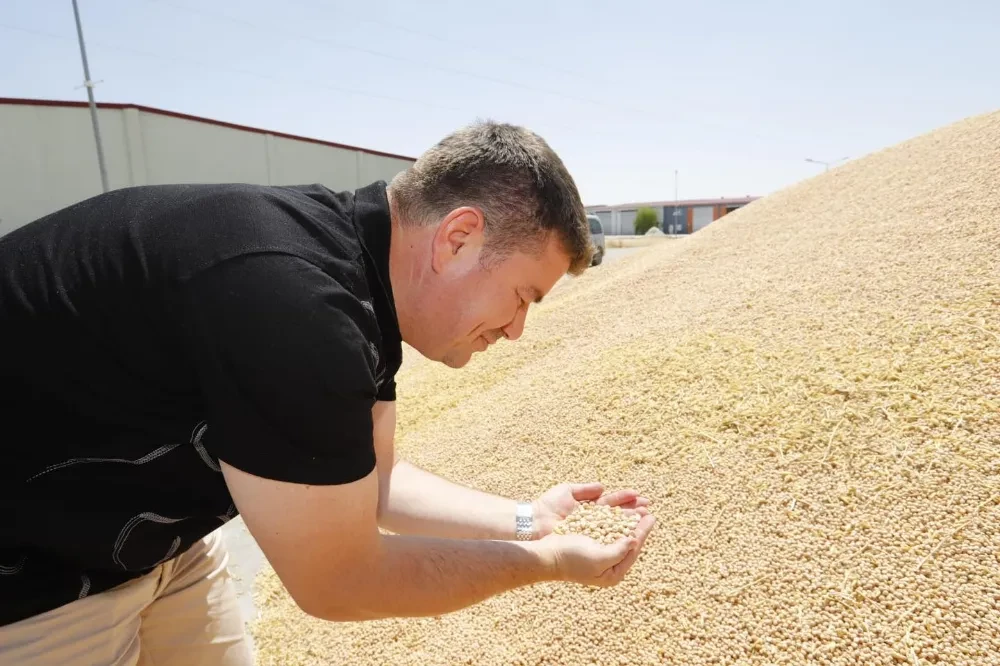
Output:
(809, 392)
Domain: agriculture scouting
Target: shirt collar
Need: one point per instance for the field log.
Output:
(373, 221)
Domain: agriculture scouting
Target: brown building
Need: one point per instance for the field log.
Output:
(674, 217)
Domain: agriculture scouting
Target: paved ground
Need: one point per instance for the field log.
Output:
(246, 559)
(615, 253)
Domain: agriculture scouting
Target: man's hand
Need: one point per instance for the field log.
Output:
(323, 544)
(583, 560)
(559, 501)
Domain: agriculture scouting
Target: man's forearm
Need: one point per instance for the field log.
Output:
(422, 576)
(419, 502)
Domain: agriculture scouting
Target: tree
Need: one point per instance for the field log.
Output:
(645, 219)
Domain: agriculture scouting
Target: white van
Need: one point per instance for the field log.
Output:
(597, 238)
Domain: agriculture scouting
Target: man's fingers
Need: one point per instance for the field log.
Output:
(618, 552)
(585, 492)
(637, 503)
(642, 530)
(624, 547)
(620, 498)
(616, 573)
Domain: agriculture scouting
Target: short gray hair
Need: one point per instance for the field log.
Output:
(513, 176)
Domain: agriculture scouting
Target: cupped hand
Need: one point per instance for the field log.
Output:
(559, 501)
(583, 560)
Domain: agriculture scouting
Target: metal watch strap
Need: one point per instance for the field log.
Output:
(525, 523)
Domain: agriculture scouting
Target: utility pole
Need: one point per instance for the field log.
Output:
(89, 85)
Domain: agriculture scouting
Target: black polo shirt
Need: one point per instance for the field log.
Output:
(149, 332)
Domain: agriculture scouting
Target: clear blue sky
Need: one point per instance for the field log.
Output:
(732, 94)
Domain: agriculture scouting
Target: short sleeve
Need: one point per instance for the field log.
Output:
(388, 391)
(285, 368)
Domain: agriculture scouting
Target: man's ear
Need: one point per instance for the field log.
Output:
(459, 238)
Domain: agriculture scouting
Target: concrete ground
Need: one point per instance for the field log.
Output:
(246, 559)
(614, 253)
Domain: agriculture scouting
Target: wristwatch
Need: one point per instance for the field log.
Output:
(525, 523)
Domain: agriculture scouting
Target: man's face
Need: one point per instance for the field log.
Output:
(468, 307)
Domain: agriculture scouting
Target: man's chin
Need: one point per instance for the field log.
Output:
(457, 358)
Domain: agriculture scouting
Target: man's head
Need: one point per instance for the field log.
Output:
(484, 224)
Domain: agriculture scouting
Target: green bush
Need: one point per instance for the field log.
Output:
(645, 219)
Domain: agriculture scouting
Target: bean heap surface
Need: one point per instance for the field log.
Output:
(808, 390)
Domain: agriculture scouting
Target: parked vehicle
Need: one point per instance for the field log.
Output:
(597, 238)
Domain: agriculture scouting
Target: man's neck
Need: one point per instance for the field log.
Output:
(404, 272)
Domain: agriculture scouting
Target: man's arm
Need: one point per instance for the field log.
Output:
(414, 501)
(324, 545)
(420, 502)
(280, 351)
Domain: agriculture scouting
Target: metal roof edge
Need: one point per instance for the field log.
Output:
(20, 101)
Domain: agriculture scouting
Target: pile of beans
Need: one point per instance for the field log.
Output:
(808, 390)
(599, 522)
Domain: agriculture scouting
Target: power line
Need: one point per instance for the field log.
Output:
(445, 40)
(407, 60)
(206, 65)
(653, 117)
(232, 70)
(656, 118)
(203, 65)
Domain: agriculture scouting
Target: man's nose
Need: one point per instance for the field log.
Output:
(514, 329)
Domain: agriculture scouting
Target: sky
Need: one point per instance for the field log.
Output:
(722, 98)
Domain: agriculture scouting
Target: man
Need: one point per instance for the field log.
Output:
(176, 355)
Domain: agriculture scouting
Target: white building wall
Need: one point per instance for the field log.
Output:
(293, 162)
(627, 222)
(373, 167)
(701, 217)
(182, 151)
(48, 158)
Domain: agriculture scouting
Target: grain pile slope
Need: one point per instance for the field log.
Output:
(809, 391)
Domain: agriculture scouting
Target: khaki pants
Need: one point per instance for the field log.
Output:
(185, 612)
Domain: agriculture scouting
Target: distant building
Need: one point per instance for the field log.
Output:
(674, 217)
(48, 157)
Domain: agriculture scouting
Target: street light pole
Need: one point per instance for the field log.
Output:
(825, 164)
(674, 226)
(90, 95)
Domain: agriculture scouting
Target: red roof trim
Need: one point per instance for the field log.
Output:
(16, 101)
(683, 202)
